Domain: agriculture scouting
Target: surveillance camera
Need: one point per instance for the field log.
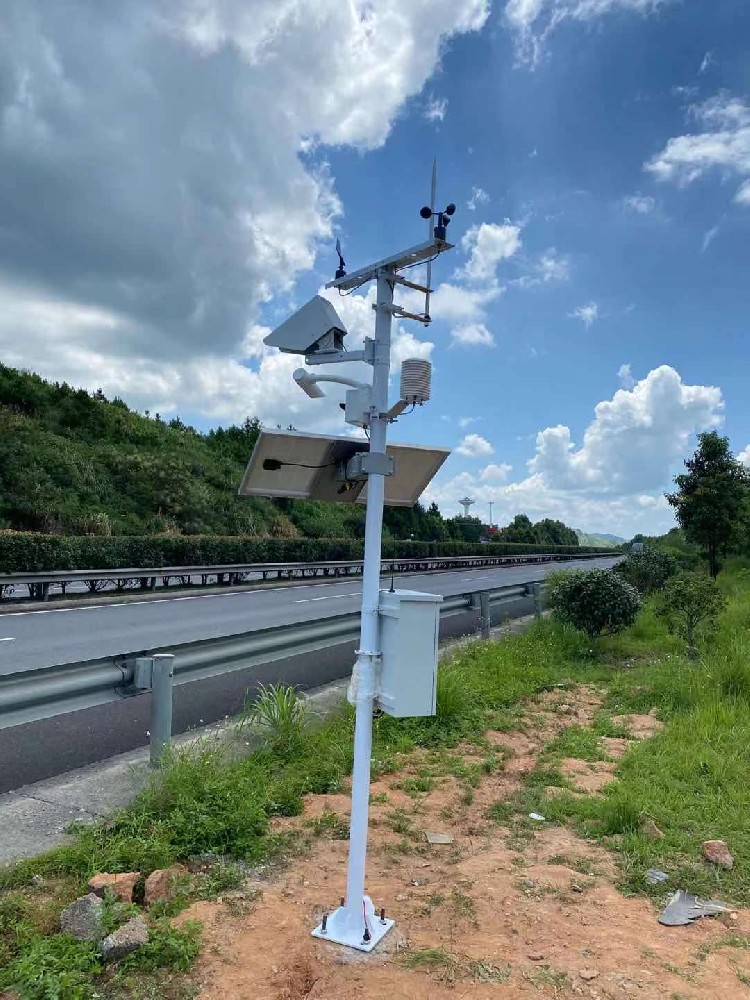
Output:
(313, 329)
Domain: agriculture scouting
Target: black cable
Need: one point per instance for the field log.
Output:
(274, 464)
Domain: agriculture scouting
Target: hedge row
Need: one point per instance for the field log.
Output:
(22, 552)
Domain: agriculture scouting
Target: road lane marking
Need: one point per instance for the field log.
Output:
(9, 639)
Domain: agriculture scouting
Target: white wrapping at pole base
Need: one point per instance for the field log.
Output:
(340, 928)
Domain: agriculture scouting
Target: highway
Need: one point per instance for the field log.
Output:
(48, 636)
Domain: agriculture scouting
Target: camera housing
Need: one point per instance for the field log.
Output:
(316, 328)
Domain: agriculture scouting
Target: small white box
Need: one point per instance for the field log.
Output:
(409, 623)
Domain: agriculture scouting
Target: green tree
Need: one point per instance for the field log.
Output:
(710, 497)
(689, 605)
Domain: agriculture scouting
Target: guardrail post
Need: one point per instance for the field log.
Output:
(484, 604)
(156, 674)
(534, 590)
(161, 706)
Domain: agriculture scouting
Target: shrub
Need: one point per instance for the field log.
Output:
(689, 605)
(648, 570)
(596, 601)
(26, 552)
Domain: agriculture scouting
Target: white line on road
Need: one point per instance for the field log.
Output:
(9, 639)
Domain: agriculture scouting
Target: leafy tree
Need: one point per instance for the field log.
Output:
(520, 529)
(648, 570)
(711, 497)
(596, 601)
(689, 605)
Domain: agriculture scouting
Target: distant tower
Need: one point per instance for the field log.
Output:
(466, 503)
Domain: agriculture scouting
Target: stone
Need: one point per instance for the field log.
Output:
(438, 838)
(159, 884)
(717, 852)
(535, 956)
(588, 974)
(650, 829)
(120, 884)
(83, 919)
(126, 939)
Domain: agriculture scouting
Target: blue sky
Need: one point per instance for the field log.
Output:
(174, 177)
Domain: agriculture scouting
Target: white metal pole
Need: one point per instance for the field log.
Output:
(369, 645)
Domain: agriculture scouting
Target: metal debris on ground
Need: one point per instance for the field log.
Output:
(538, 817)
(654, 876)
(683, 908)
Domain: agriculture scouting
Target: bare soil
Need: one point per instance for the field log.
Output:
(507, 911)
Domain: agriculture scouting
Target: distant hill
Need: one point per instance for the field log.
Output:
(610, 541)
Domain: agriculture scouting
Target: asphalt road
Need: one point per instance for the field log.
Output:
(51, 747)
(49, 636)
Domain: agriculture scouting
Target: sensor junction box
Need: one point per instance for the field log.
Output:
(409, 623)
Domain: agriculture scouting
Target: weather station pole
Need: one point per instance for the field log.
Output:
(339, 470)
(363, 684)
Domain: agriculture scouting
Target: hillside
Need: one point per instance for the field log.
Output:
(607, 541)
(75, 463)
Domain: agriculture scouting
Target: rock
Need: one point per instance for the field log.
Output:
(438, 838)
(83, 919)
(650, 829)
(159, 884)
(718, 852)
(535, 956)
(128, 938)
(120, 884)
(588, 974)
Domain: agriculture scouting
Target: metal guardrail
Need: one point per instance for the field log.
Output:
(38, 584)
(32, 695)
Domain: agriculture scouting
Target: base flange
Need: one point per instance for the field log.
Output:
(342, 928)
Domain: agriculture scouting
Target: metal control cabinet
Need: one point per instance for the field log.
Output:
(409, 623)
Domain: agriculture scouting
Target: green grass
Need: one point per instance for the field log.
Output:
(691, 777)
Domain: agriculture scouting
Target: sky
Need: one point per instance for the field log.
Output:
(174, 175)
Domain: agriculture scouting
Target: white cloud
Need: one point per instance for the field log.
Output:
(478, 197)
(473, 335)
(640, 204)
(455, 303)
(587, 314)
(707, 62)
(533, 21)
(495, 473)
(464, 422)
(744, 456)
(487, 245)
(708, 237)
(189, 220)
(435, 109)
(633, 439)
(549, 267)
(613, 481)
(474, 446)
(723, 144)
(625, 376)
